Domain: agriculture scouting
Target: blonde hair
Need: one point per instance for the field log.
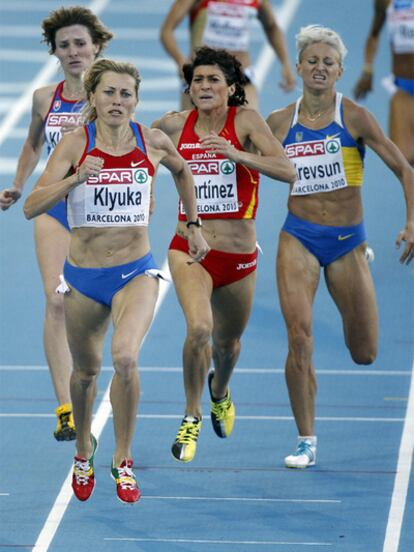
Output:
(75, 15)
(316, 33)
(94, 75)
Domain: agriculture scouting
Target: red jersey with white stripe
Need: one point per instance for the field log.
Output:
(120, 194)
(226, 22)
(224, 189)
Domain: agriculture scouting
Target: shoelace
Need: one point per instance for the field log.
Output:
(81, 471)
(189, 432)
(304, 448)
(220, 409)
(126, 478)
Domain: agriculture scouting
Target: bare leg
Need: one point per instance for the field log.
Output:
(86, 322)
(350, 285)
(194, 287)
(52, 245)
(402, 124)
(231, 309)
(132, 313)
(298, 278)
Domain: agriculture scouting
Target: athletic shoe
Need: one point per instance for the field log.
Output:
(126, 484)
(304, 455)
(185, 444)
(65, 430)
(222, 412)
(83, 479)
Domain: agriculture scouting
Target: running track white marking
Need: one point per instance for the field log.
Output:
(351, 419)
(402, 478)
(243, 499)
(178, 369)
(205, 541)
(62, 501)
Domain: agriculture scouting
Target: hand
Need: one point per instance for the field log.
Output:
(8, 197)
(197, 245)
(289, 82)
(217, 144)
(90, 167)
(68, 127)
(406, 235)
(363, 86)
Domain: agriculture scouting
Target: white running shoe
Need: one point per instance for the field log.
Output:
(304, 455)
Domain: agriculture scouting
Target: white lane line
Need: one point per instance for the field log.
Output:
(178, 370)
(43, 77)
(352, 419)
(243, 499)
(402, 478)
(221, 541)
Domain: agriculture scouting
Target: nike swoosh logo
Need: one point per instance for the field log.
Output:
(137, 163)
(341, 238)
(124, 276)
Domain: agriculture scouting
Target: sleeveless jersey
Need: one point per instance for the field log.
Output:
(224, 189)
(61, 111)
(400, 20)
(226, 23)
(120, 194)
(326, 159)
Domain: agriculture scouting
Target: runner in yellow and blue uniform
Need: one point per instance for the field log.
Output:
(326, 160)
(324, 135)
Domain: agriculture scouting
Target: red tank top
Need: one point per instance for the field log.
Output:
(224, 189)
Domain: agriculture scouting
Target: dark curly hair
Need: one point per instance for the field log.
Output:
(230, 66)
(75, 15)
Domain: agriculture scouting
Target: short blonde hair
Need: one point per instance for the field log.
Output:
(316, 33)
(93, 77)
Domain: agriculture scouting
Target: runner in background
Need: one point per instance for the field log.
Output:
(226, 24)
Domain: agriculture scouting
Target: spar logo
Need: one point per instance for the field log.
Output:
(60, 119)
(333, 146)
(141, 176)
(305, 149)
(227, 167)
(204, 167)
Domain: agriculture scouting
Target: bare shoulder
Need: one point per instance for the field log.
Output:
(43, 96)
(358, 119)
(171, 122)
(279, 120)
(155, 138)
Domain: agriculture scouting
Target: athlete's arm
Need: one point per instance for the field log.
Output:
(270, 158)
(365, 126)
(179, 10)
(364, 83)
(172, 160)
(55, 184)
(276, 39)
(30, 154)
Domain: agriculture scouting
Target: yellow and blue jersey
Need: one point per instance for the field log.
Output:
(325, 159)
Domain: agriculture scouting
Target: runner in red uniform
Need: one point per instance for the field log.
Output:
(226, 146)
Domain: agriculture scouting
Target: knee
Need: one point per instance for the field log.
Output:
(366, 356)
(54, 305)
(226, 349)
(125, 365)
(199, 336)
(85, 376)
(300, 347)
